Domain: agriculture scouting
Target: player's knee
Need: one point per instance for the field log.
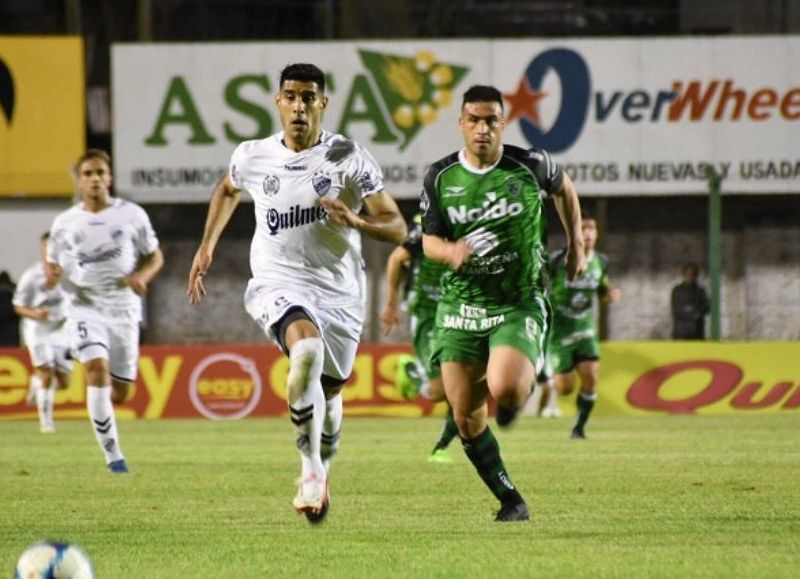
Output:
(331, 386)
(120, 391)
(45, 376)
(305, 364)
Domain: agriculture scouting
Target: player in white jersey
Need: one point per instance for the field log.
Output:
(39, 301)
(307, 289)
(106, 253)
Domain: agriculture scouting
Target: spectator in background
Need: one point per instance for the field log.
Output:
(9, 320)
(689, 306)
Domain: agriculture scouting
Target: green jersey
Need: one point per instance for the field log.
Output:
(424, 275)
(572, 301)
(499, 211)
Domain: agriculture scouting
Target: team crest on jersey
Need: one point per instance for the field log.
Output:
(321, 184)
(513, 187)
(365, 182)
(271, 185)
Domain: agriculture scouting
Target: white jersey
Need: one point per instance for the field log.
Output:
(294, 242)
(32, 292)
(97, 251)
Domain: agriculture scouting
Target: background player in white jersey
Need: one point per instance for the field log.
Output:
(106, 252)
(307, 289)
(39, 301)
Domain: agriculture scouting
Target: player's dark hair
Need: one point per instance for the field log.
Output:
(304, 73)
(481, 93)
(45, 236)
(585, 215)
(693, 267)
(93, 154)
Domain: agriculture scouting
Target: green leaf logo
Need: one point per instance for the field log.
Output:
(413, 89)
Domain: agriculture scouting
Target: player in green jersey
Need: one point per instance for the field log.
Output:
(573, 341)
(482, 217)
(416, 375)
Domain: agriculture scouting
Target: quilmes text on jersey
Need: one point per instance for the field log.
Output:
(294, 217)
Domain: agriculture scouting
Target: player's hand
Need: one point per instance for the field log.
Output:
(41, 314)
(340, 213)
(459, 253)
(575, 262)
(196, 291)
(613, 295)
(137, 283)
(389, 318)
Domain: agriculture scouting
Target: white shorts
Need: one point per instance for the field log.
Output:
(118, 343)
(48, 347)
(340, 327)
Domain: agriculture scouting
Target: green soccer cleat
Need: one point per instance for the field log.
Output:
(441, 456)
(408, 380)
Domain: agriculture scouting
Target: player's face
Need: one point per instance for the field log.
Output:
(589, 230)
(94, 180)
(482, 125)
(301, 105)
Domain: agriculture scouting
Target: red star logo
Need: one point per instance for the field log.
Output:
(524, 104)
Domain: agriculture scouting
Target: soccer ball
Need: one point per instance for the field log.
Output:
(51, 559)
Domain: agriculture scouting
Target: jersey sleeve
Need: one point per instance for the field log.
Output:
(366, 173)
(145, 237)
(56, 244)
(235, 167)
(432, 221)
(25, 290)
(413, 243)
(549, 173)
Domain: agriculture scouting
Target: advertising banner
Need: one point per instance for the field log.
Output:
(625, 116)
(228, 382)
(42, 114)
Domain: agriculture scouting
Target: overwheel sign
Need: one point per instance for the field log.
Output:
(623, 116)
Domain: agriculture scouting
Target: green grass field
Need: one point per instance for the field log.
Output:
(644, 497)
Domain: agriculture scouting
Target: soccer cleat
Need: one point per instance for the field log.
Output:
(548, 412)
(317, 517)
(578, 434)
(118, 466)
(441, 456)
(312, 494)
(49, 429)
(512, 512)
(505, 416)
(408, 379)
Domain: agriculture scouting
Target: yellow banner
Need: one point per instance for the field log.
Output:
(42, 114)
(698, 377)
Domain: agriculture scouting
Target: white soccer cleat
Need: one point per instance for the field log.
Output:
(312, 494)
(548, 412)
(49, 429)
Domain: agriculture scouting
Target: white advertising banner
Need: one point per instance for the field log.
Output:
(625, 117)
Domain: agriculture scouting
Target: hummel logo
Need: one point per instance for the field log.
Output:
(454, 191)
(103, 426)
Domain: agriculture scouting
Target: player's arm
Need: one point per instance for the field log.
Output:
(569, 212)
(384, 220)
(396, 266)
(453, 254)
(224, 200)
(149, 265)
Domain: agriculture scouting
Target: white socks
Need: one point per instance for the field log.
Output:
(331, 429)
(101, 415)
(44, 404)
(307, 401)
(552, 399)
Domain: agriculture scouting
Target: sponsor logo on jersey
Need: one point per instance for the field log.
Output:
(453, 191)
(489, 211)
(294, 217)
(321, 184)
(295, 167)
(102, 253)
(271, 185)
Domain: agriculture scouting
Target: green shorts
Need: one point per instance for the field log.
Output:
(423, 330)
(566, 352)
(471, 338)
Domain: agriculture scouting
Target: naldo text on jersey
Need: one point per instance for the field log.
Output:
(486, 212)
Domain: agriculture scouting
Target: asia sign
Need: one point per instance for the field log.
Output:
(623, 116)
(42, 114)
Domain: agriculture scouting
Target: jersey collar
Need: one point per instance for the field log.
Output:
(462, 158)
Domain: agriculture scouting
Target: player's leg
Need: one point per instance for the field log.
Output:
(433, 390)
(588, 371)
(44, 398)
(449, 429)
(301, 338)
(92, 343)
